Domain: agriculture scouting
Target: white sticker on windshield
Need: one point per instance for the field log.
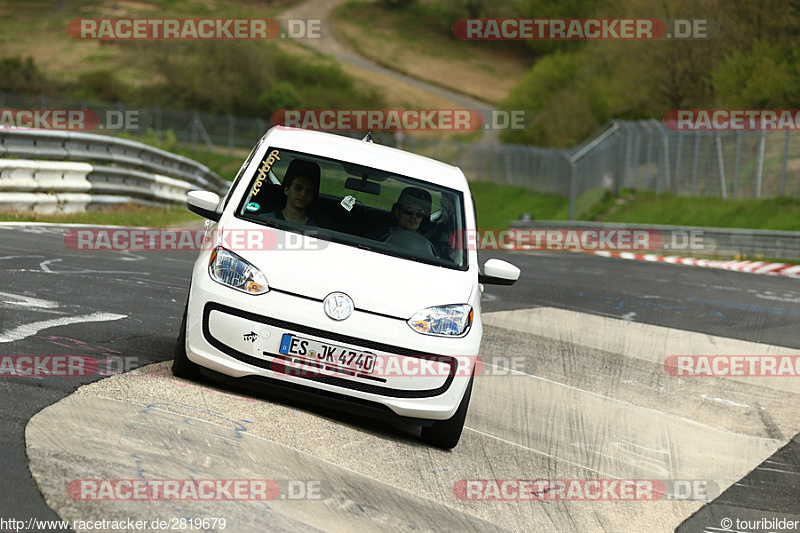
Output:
(348, 202)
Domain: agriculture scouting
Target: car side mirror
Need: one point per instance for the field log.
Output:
(204, 203)
(498, 272)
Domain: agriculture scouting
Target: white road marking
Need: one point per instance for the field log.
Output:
(45, 268)
(33, 328)
(21, 256)
(636, 383)
(128, 255)
(786, 297)
(779, 470)
(729, 402)
(7, 298)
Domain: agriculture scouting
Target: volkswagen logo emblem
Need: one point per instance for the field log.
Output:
(338, 305)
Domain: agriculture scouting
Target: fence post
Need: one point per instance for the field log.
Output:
(695, 159)
(760, 162)
(493, 162)
(637, 148)
(648, 157)
(231, 129)
(785, 157)
(507, 162)
(737, 165)
(678, 160)
(573, 186)
(194, 130)
(665, 171)
(721, 164)
(628, 165)
(622, 156)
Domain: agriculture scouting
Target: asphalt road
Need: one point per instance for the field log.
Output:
(590, 398)
(46, 283)
(764, 309)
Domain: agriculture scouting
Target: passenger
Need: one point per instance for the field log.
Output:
(301, 188)
(442, 234)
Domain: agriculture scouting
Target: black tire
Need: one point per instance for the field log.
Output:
(446, 433)
(181, 365)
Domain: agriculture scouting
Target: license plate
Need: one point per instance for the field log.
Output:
(328, 354)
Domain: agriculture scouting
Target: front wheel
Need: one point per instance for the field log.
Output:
(182, 366)
(446, 433)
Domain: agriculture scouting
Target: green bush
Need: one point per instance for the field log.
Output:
(766, 77)
(21, 76)
(281, 96)
(568, 99)
(243, 78)
(101, 85)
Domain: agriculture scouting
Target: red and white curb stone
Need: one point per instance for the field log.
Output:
(754, 267)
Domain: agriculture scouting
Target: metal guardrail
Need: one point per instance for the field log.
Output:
(694, 240)
(105, 169)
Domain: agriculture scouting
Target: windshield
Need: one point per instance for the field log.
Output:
(358, 206)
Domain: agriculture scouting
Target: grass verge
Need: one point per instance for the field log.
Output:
(497, 205)
(649, 208)
(128, 215)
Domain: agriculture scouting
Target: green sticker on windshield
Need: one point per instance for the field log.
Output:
(252, 206)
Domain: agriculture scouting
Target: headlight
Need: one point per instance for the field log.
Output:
(446, 320)
(229, 269)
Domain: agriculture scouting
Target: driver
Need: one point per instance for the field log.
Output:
(412, 206)
(301, 188)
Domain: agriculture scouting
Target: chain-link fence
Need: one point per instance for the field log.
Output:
(723, 164)
(643, 155)
(213, 131)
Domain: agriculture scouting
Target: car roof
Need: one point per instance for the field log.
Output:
(365, 153)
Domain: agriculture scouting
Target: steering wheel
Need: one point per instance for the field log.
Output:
(412, 242)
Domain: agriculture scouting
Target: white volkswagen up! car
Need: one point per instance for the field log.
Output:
(339, 271)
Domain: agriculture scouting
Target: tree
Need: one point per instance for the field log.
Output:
(397, 4)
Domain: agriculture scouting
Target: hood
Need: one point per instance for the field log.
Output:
(377, 283)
